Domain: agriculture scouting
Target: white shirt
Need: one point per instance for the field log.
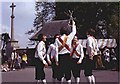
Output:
(91, 46)
(79, 50)
(51, 53)
(13, 55)
(40, 51)
(68, 42)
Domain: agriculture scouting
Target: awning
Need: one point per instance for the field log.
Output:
(101, 43)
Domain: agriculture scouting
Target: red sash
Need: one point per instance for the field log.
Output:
(74, 51)
(63, 44)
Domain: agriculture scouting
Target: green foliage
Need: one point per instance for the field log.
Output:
(44, 12)
(89, 13)
(5, 38)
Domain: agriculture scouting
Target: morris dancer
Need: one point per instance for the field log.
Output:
(63, 45)
(91, 51)
(40, 59)
(51, 58)
(77, 56)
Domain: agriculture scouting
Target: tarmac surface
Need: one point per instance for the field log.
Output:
(27, 75)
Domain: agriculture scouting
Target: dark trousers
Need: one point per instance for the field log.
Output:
(88, 67)
(64, 67)
(54, 69)
(76, 68)
(24, 64)
(39, 69)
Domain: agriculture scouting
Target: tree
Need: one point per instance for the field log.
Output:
(45, 11)
(5, 38)
(114, 22)
(89, 14)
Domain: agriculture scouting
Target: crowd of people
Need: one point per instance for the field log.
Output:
(16, 61)
(109, 58)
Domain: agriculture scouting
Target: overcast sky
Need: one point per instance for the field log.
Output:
(24, 16)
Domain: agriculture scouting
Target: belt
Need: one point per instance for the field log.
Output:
(65, 54)
(75, 58)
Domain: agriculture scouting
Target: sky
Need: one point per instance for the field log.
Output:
(24, 13)
(24, 17)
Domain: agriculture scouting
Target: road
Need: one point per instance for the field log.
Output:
(27, 76)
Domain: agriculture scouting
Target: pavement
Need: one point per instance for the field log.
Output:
(27, 75)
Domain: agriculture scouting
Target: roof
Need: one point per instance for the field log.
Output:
(51, 28)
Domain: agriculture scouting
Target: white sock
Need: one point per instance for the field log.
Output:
(69, 81)
(38, 81)
(93, 79)
(62, 79)
(89, 79)
(44, 81)
(78, 80)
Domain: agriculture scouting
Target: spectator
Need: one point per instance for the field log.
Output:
(113, 59)
(24, 60)
(13, 56)
(4, 67)
(18, 62)
(106, 54)
(99, 63)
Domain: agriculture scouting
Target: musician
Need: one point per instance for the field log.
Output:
(77, 56)
(63, 45)
(40, 59)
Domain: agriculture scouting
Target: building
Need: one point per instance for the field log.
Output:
(51, 28)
